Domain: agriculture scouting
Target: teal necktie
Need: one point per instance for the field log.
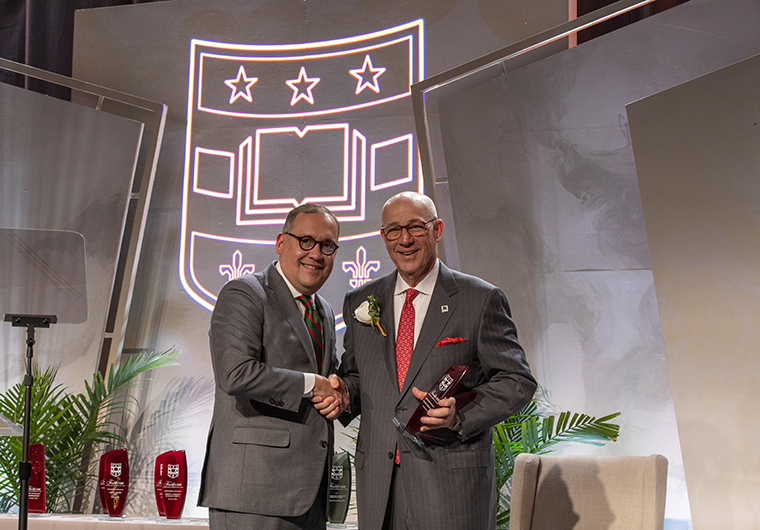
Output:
(313, 324)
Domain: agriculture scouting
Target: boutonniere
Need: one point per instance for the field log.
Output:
(369, 313)
(449, 340)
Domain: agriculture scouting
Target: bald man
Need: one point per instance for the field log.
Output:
(434, 317)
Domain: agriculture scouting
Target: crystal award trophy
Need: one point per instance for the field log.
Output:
(340, 489)
(174, 483)
(444, 388)
(37, 480)
(116, 470)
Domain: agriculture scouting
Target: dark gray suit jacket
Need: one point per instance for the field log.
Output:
(456, 489)
(267, 445)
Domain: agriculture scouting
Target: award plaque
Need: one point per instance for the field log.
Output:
(174, 483)
(117, 481)
(340, 488)
(37, 480)
(444, 388)
(158, 483)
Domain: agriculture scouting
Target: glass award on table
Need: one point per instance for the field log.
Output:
(444, 388)
(340, 488)
(173, 479)
(115, 469)
(37, 480)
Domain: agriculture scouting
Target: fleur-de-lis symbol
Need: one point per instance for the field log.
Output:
(236, 269)
(361, 268)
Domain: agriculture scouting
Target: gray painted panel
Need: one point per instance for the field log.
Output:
(698, 165)
(546, 205)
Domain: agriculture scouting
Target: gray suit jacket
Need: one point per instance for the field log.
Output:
(456, 489)
(267, 446)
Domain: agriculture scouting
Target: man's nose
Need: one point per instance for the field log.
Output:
(406, 238)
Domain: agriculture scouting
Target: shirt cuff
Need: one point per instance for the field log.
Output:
(308, 384)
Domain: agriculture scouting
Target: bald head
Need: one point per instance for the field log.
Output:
(421, 203)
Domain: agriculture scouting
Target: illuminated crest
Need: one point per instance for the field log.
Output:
(272, 126)
(336, 473)
(115, 470)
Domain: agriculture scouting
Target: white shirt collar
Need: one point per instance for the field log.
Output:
(293, 290)
(426, 285)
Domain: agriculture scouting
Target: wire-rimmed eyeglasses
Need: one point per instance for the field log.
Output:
(307, 243)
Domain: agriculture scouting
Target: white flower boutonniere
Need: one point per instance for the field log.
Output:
(369, 313)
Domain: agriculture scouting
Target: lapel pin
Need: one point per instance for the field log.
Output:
(444, 309)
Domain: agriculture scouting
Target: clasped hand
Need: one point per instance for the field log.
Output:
(330, 396)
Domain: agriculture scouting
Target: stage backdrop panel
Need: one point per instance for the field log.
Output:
(238, 152)
(66, 170)
(546, 204)
(698, 165)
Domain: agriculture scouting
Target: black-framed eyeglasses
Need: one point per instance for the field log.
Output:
(307, 243)
(392, 233)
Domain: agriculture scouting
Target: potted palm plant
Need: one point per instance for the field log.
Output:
(72, 427)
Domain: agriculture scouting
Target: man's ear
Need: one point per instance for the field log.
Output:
(279, 243)
(438, 228)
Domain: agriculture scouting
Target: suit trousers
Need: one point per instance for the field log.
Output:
(396, 517)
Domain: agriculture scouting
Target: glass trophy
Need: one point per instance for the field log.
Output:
(444, 388)
(116, 471)
(174, 483)
(37, 480)
(339, 496)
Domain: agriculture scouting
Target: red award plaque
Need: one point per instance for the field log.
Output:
(158, 482)
(174, 479)
(444, 388)
(37, 480)
(117, 481)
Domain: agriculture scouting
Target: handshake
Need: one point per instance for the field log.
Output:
(330, 396)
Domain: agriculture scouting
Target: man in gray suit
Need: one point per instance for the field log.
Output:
(434, 317)
(268, 449)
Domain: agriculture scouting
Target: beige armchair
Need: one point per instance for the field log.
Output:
(552, 492)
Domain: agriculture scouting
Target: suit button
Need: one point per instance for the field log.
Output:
(399, 409)
(390, 455)
(272, 401)
(323, 443)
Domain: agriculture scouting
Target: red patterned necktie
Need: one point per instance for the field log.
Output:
(312, 320)
(405, 341)
(405, 337)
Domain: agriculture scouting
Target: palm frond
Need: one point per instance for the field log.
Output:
(528, 431)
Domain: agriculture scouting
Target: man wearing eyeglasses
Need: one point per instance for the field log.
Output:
(434, 317)
(272, 344)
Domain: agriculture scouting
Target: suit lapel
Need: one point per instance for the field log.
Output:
(432, 327)
(385, 300)
(283, 299)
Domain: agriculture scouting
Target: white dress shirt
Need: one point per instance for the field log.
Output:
(308, 379)
(420, 303)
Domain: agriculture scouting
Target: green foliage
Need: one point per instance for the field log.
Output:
(529, 431)
(72, 426)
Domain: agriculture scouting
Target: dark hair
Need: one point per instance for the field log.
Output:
(305, 209)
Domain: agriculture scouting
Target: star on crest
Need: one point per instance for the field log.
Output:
(299, 90)
(367, 76)
(241, 86)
